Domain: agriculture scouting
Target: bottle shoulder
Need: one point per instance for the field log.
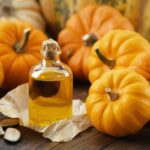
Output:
(55, 72)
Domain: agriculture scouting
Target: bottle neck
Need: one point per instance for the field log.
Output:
(50, 61)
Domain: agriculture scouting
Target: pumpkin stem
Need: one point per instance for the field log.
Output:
(106, 61)
(113, 96)
(89, 39)
(19, 47)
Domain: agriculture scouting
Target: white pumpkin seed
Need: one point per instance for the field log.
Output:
(12, 135)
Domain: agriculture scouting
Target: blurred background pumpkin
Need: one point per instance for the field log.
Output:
(20, 45)
(57, 12)
(25, 10)
(83, 30)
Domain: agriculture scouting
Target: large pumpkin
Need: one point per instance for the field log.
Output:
(119, 49)
(20, 45)
(57, 12)
(25, 10)
(119, 102)
(82, 30)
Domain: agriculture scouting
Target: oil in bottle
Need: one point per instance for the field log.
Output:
(50, 88)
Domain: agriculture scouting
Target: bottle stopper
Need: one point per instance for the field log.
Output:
(50, 48)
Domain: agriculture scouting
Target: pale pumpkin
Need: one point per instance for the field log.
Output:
(20, 45)
(119, 102)
(144, 20)
(118, 49)
(25, 10)
(81, 32)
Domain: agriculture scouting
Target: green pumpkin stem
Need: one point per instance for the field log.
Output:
(89, 39)
(112, 95)
(19, 47)
(106, 61)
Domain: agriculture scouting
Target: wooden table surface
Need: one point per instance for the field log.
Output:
(90, 139)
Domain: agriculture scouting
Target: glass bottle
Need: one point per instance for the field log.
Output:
(50, 87)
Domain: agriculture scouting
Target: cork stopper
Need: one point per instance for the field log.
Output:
(50, 48)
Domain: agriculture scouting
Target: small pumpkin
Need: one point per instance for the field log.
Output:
(117, 49)
(20, 45)
(81, 32)
(119, 102)
(25, 10)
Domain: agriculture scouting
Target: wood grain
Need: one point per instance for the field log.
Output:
(90, 139)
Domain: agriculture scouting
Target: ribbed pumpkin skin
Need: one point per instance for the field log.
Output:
(94, 19)
(17, 65)
(125, 47)
(126, 115)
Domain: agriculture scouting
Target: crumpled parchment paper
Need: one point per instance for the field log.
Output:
(15, 105)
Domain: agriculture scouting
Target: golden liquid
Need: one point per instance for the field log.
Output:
(50, 98)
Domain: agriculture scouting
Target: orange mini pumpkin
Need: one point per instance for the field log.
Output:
(20, 45)
(119, 49)
(119, 102)
(81, 32)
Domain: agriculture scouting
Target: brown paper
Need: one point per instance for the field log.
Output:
(15, 105)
